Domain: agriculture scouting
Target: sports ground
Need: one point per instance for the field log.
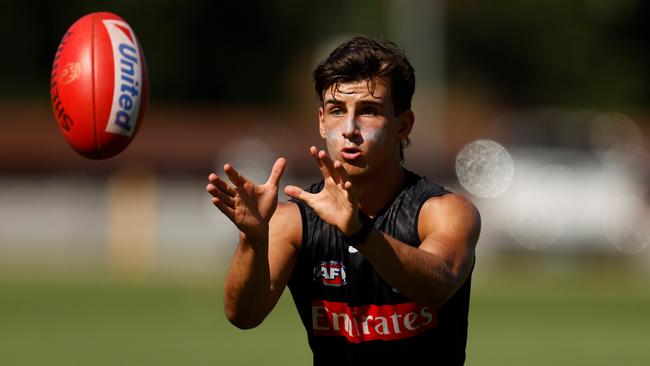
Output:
(521, 316)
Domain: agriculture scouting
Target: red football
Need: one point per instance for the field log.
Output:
(99, 85)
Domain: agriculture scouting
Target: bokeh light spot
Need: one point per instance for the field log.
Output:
(627, 224)
(484, 168)
(616, 140)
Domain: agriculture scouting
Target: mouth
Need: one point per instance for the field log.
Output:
(350, 153)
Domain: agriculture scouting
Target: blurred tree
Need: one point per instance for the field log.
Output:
(200, 51)
(581, 52)
(572, 53)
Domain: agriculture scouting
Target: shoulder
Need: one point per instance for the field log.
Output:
(422, 188)
(449, 215)
(449, 202)
(286, 224)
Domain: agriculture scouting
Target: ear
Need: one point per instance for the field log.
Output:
(406, 120)
(321, 122)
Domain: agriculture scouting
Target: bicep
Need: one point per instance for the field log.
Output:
(449, 227)
(285, 235)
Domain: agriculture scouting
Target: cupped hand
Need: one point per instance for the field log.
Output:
(248, 205)
(337, 203)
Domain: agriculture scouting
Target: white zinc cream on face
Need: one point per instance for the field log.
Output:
(374, 134)
(368, 133)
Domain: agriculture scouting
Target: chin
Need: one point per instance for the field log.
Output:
(354, 169)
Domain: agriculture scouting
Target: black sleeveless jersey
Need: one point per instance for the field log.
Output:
(352, 316)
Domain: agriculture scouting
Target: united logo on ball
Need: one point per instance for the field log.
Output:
(99, 85)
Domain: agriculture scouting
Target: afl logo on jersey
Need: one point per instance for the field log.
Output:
(330, 273)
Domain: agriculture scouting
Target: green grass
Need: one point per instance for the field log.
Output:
(516, 318)
(592, 318)
(106, 323)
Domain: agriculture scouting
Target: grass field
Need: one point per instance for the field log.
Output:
(517, 318)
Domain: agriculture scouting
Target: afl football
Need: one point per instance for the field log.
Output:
(99, 85)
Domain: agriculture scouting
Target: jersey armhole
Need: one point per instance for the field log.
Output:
(415, 232)
(304, 240)
(294, 279)
(423, 199)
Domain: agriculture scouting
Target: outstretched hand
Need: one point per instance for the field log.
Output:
(337, 203)
(248, 205)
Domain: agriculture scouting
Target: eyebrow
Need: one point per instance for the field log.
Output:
(363, 102)
(333, 101)
(372, 103)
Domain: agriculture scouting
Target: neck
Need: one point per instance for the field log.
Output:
(375, 190)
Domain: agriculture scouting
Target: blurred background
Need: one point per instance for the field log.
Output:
(535, 110)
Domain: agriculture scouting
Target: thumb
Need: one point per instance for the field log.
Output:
(277, 171)
(298, 193)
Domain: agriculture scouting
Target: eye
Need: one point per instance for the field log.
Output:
(337, 112)
(369, 111)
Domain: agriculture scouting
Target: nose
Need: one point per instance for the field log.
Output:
(350, 128)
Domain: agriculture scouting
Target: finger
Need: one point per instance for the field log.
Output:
(277, 171)
(237, 179)
(346, 183)
(222, 196)
(298, 193)
(329, 165)
(222, 185)
(351, 193)
(324, 164)
(340, 171)
(227, 211)
(321, 164)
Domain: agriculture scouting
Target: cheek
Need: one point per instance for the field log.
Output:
(373, 134)
(333, 138)
(333, 134)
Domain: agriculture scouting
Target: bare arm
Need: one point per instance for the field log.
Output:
(268, 243)
(430, 274)
(260, 269)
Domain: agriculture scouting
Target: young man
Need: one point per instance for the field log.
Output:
(378, 259)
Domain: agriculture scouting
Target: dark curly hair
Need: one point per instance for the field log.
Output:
(363, 58)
